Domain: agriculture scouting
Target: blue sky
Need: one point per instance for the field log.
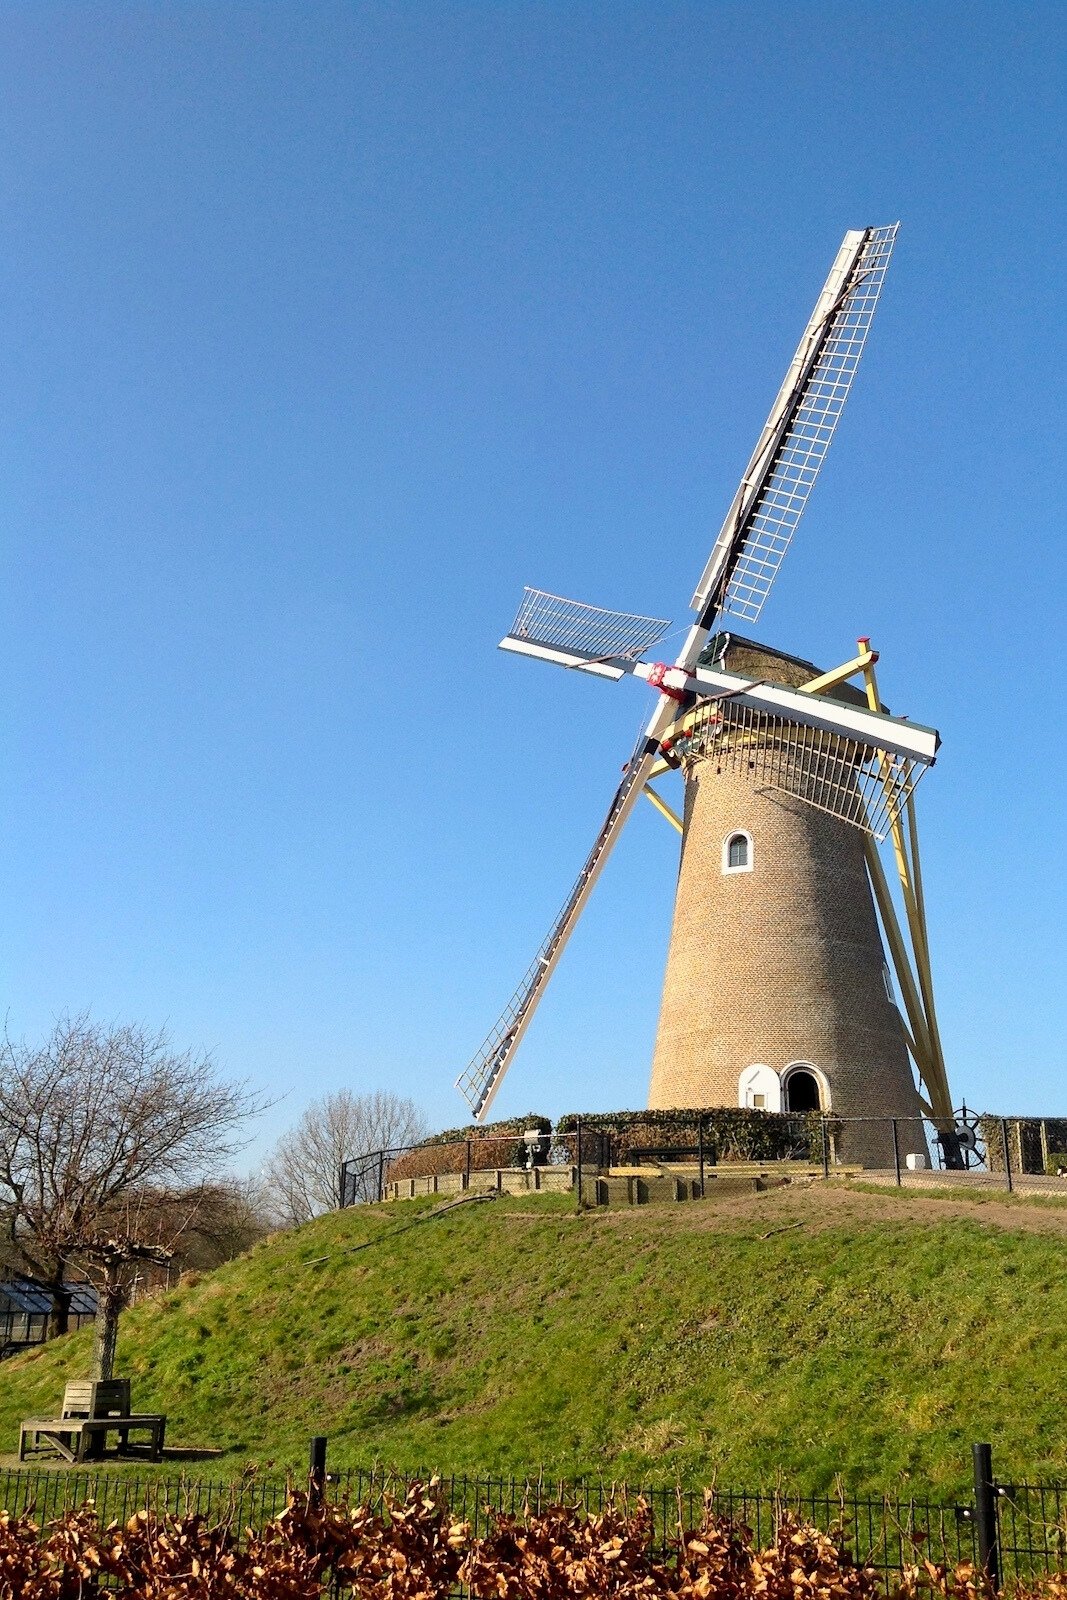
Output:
(326, 327)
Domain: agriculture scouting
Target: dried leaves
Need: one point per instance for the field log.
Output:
(560, 1552)
(412, 1549)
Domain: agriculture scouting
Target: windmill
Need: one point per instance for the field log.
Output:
(777, 993)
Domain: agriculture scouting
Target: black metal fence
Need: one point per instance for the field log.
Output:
(1014, 1154)
(1031, 1528)
(1017, 1530)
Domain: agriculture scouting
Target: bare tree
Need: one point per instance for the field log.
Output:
(302, 1176)
(228, 1218)
(150, 1231)
(97, 1114)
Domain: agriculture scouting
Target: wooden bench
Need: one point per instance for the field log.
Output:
(78, 1438)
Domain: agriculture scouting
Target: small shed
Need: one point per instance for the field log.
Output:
(26, 1305)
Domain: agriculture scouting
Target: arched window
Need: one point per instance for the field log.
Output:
(760, 1089)
(737, 852)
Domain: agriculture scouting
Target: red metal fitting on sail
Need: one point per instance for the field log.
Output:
(656, 676)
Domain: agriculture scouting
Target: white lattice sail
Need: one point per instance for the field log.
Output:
(792, 447)
(574, 628)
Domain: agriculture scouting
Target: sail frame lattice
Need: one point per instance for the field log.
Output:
(807, 439)
(579, 629)
(847, 778)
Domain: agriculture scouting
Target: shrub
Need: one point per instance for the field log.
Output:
(492, 1144)
(1026, 1147)
(733, 1133)
(413, 1549)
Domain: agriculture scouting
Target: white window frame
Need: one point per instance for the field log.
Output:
(760, 1079)
(737, 833)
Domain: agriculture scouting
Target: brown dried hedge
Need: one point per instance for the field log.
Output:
(412, 1549)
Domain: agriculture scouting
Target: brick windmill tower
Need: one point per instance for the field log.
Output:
(778, 993)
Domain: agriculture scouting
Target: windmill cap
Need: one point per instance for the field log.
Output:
(750, 659)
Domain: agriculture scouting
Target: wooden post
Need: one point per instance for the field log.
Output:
(1006, 1146)
(896, 1151)
(1045, 1162)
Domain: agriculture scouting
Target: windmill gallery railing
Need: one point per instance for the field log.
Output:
(628, 1160)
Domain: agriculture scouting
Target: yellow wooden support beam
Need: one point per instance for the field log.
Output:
(663, 808)
(918, 1041)
(922, 953)
(913, 1048)
(831, 679)
(928, 1038)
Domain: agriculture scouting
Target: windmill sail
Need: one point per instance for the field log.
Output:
(792, 447)
(580, 635)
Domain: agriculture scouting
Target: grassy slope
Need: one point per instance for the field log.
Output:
(877, 1339)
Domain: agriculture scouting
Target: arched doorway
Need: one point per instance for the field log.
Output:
(802, 1092)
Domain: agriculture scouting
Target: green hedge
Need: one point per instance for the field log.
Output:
(735, 1132)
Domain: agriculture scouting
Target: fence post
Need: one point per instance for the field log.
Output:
(700, 1152)
(825, 1148)
(1006, 1145)
(578, 1125)
(1044, 1147)
(342, 1187)
(467, 1167)
(896, 1151)
(317, 1468)
(381, 1175)
(985, 1503)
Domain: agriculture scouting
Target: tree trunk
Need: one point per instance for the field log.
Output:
(109, 1303)
(59, 1311)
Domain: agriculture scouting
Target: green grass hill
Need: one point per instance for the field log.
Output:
(791, 1336)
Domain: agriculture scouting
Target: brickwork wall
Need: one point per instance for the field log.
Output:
(780, 964)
